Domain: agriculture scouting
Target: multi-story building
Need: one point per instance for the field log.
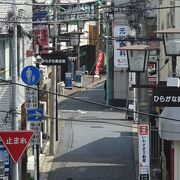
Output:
(169, 18)
(24, 55)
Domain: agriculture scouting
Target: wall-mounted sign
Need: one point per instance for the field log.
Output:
(144, 162)
(167, 96)
(120, 56)
(54, 58)
(77, 11)
(41, 33)
(152, 81)
(93, 35)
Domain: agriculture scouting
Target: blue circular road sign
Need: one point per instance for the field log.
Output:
(30, 75)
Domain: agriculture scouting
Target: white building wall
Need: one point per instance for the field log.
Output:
(24, 14)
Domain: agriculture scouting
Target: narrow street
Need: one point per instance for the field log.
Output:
(94, 144)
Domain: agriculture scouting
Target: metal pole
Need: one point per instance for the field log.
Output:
(78, 55)
(52, 110)
(36, 147)
(173, 66)
(53, 100)
(78, 48)
(15, 173)
(107, 63)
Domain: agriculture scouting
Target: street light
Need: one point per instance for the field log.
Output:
(138, 57)
(80, 25)
(171, 41)
(74, 40)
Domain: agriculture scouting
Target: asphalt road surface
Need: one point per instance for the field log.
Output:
(96, 141)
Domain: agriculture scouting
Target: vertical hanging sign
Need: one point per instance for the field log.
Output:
(144, 162)
(99, 63)
(120, 56)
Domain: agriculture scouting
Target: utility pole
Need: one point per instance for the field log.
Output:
(78, 48)
(15, 174)
(107, 59)
(53, 96)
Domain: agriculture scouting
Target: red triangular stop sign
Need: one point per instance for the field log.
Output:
(16, 142)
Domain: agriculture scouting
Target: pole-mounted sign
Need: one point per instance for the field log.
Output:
(30, 75)
(54, 58)
(16, 142)
(34, 114)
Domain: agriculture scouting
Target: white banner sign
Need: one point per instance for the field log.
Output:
(144, 162)
(120, 56)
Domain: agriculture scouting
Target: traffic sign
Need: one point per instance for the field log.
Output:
(34, 114)
(16, 142)
(36, 127)
(31, 97)
(30, 75)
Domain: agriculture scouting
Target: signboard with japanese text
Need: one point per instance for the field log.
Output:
(99, 62)
(41, 41)
(36, 127)
(16, 142)
(76, 11)
(144, 160)
(54, 58)
(93, 34)
(167, 96)
(152, 81)
(120, 56)
(31, 97)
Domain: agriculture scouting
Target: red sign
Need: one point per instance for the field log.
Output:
(152, 81)
(16, 142)
(41, 38)
(99, 63)
(144, 129)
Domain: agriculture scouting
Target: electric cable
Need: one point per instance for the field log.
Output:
(95, 103)
(102, 7)
(104, 121)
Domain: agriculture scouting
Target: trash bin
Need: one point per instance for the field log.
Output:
(78, 78)
(68, 80)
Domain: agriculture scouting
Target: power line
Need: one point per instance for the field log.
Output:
(95, 103)
(104, 121)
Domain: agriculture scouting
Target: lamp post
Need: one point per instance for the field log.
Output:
(171, 41)
(138, 57)
(74, 40)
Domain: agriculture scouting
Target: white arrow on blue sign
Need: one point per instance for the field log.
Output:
(34, 114)
(30, 75)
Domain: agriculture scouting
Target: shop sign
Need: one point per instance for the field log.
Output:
(120, 56)
(144, 162)
(167, 96)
